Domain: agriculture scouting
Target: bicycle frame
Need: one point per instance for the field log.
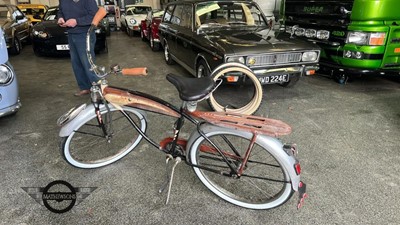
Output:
(255, 129)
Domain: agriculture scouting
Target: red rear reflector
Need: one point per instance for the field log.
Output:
(397, 50)
(297, 168)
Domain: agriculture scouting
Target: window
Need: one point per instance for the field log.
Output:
(168, 13)
(177, 16)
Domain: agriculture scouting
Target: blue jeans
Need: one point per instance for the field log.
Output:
(80, 63)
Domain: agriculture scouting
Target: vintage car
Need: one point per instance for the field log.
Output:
(149, 28)
(49, 39)
(9, 98)
(200, 35)
(130, 19)
(34, 12)
(16, 27)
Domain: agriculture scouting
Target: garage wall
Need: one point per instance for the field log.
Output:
(45, 2)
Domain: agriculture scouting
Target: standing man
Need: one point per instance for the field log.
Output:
(77, 16)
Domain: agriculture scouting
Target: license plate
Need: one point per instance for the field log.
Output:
(62, 47)
(274, 79)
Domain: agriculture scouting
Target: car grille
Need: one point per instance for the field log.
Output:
(261, 60)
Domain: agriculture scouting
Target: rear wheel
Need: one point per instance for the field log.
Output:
(240, 92)
(265, 182)
(87, 147)
(155, 46)
(167, 55)
(142, 35)
(16, 47)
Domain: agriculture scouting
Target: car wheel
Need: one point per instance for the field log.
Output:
(167, 55)
(105, 46)
(130, 32)
(16, 48)
(123, 27)
(293, 79)
(202, 69)
(142, 35)
(155, 46)
(36, 51)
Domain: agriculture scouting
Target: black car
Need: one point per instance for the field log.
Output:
(49, 39)
(200, 35)
(16, 27)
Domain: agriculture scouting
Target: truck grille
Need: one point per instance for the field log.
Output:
(262, 60)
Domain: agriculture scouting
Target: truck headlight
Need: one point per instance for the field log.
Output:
(366, 38)
(323, 34)
(309, 56)
(310, 33)
(6, 74)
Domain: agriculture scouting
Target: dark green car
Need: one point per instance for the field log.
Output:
(200, 35)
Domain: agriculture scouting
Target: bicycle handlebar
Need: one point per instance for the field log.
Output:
(100, 71)
(140, 71)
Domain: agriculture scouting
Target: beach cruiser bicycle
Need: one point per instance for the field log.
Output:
(237, 157)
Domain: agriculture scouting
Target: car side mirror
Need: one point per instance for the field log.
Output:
(19, 17)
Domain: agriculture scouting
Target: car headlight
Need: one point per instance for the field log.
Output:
(40, 34)
(132, 21)
(323, 34)
(300, 32)
(239, 59)
(309, 56)
(310, 33)
(6, 74)
(366, 38)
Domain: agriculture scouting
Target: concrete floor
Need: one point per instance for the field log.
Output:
(348, 137)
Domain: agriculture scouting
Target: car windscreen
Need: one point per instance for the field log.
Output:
(141, 9)
(51, 14)
(229, 14)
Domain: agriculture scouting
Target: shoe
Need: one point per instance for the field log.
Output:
(81, 93)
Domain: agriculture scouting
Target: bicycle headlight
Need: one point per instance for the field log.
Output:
(6, 74)
(366, 38)
(239, 59)
(309, 56)
(70, 115)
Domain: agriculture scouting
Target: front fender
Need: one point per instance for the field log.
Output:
(82, 117)
(274, 146)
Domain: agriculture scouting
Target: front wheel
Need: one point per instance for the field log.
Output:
(240, 92)
(87, 147)
(264, 183)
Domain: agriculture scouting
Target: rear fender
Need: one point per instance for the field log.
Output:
(272, 144)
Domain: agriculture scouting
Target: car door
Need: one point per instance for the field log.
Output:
(169, 28)
(184, 37)
(21, 24)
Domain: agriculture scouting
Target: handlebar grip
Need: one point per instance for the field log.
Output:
(99, 15)
(139, 71)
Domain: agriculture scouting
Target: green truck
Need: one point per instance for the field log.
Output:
(357, 37)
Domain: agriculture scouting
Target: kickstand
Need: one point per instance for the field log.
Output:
(169, 178)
